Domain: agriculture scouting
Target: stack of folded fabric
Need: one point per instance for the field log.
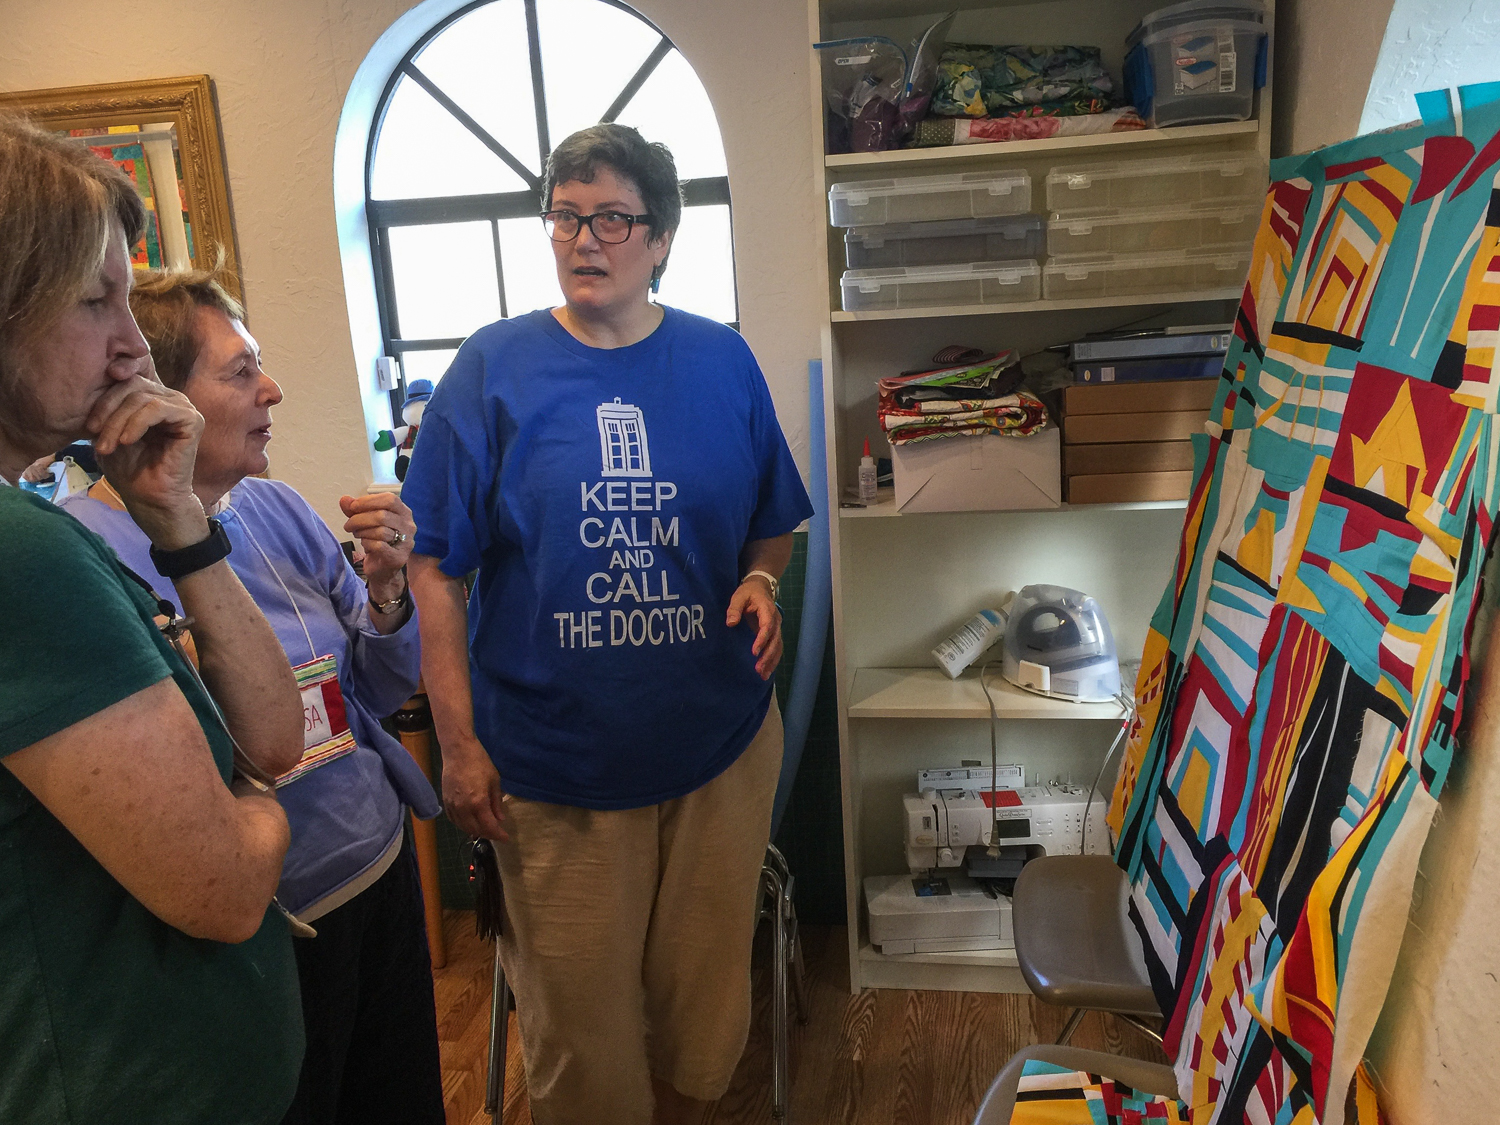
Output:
(935, 132)
(970, 393)
(979, 80)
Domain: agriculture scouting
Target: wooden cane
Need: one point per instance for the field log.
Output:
(414, 724)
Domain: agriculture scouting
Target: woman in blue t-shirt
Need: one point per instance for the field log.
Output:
(614, 472)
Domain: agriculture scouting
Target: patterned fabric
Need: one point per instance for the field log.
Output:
(1053, 1095)
(939, 131)
(1304, 674)
(978, 397)
(977, 80)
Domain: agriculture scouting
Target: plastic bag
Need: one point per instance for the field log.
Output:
(863, 83)
(922, 76)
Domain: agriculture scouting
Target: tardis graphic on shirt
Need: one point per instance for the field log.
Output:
(623, 447)
(631, 585)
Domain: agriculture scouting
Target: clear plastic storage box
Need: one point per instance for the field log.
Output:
(948, 242)
(1193, 227)
(911, 287)
(1156, 184)
(916, 199)
(1110, 275)
(1197, 62)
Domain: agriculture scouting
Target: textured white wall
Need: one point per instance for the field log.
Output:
(282, 70)
(1429, 45)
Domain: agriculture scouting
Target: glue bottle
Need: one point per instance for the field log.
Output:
(867, 476)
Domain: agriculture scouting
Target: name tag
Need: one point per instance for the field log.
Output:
(325, 726)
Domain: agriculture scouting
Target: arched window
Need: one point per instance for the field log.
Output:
(454, 166)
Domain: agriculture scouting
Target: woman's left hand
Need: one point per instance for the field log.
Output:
(753, 598)
(384, 528)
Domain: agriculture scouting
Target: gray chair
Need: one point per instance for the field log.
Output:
(1075, 943)
(788, 977)
(1000, 1101)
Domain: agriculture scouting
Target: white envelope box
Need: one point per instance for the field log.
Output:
(979, 474)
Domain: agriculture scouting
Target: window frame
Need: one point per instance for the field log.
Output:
(382, 215)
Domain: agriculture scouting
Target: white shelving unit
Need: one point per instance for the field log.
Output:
(903, 582)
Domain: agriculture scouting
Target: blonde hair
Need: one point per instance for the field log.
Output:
(165, 304)
(58, 205)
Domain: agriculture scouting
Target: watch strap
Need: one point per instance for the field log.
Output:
(188, 560)
(398, 602)
(774, 582)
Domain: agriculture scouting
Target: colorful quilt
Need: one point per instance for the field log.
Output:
(1304, 674)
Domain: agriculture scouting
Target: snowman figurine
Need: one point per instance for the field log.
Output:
(402, 438)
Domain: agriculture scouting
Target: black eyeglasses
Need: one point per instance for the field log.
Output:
(608, 226)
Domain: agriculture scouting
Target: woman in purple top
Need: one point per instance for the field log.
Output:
(366, 980)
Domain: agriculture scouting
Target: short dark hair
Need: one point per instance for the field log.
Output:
(646, 164)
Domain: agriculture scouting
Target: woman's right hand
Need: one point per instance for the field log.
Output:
(471, 791)
(146, 437)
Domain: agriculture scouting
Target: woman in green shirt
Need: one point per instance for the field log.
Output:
(147, 977)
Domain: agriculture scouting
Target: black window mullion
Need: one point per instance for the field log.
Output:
(638, 79)
(510, 205)
(434, 344)
(499, 268)
(538, 87)
(480, 133)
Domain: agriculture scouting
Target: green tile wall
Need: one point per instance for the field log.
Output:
(812, 834)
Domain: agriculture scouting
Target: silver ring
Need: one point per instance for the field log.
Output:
(398, 539)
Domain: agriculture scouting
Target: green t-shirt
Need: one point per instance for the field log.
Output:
(108, 1014)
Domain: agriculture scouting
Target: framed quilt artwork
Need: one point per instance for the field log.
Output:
(164, 134)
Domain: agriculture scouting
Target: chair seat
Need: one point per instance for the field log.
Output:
(1000, 1101)
(1075, 943)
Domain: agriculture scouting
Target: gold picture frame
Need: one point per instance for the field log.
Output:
(185, 110)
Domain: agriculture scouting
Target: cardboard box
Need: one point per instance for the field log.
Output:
(1127, 457)
(1158, 425)
(1125, 488)
(979, 474)
(1112, 398)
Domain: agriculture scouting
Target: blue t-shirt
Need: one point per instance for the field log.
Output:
(605, 496)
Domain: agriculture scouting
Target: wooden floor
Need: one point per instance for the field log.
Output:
(884, 1057)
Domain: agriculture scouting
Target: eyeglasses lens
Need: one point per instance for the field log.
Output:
(608, 226)
(562, 226)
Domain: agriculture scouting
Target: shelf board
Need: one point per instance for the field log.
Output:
(978, 958)
(839, 316)
(1134, 139)
(883, 508)
(928, 693)
(984, 970)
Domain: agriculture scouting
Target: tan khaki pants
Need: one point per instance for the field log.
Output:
(627, 940)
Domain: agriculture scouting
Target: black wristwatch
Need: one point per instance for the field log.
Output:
(179, 564)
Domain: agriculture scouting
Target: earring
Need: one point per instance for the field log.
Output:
(655, 282)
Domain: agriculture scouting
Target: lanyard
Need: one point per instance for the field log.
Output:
(312, 650)
(173, 630)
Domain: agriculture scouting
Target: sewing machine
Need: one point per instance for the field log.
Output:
(951, 822)
(957, 809)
